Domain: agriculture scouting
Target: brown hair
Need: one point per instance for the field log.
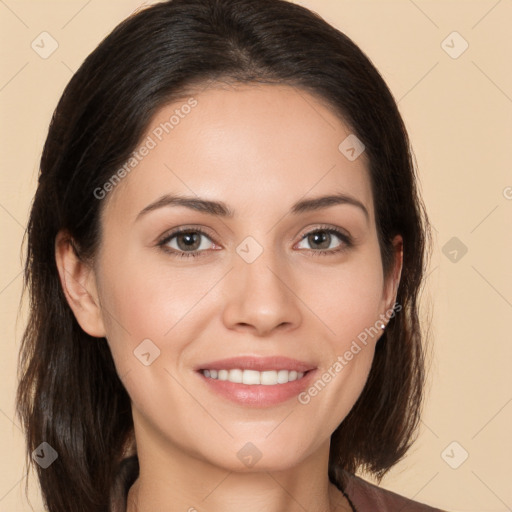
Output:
(69, 394)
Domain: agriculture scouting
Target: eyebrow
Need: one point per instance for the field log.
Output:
(220, 209)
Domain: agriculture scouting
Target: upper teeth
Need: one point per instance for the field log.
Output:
(268, 378)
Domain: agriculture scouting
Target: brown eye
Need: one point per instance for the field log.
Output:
(323, 241)
(186, 243)
(320, 240)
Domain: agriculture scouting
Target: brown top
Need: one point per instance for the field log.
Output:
(362, 495)
(366, 497)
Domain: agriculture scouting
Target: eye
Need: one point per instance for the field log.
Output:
(190, 242)
(185, 242)
(324, 239)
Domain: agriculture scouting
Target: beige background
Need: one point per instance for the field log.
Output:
(458, 112)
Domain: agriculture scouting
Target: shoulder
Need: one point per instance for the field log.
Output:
(367, 497)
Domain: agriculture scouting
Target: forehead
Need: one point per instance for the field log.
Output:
(256, 147)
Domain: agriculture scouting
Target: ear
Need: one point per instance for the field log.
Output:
(393, 280)
(78, 283)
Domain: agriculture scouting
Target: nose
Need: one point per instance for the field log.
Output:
(260, 296)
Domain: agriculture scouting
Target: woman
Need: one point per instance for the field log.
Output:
(224, 256)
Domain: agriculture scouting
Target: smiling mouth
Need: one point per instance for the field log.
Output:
(254, 377)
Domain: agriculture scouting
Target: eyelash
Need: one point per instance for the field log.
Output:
(346, 239)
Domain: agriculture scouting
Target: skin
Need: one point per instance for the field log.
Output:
(259, 149)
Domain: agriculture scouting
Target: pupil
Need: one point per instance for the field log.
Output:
(190, 240)
(323, 238)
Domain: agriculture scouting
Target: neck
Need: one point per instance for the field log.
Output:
(172, 478)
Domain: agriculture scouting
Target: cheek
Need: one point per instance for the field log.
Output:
(152, 302)
(347, 300)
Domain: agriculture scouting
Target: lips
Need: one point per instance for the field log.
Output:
(254, 394)
(257, 363)
(257, 395)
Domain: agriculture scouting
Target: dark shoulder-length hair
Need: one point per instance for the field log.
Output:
(69, 393)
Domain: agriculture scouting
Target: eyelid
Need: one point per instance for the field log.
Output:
(323, 227)
(186, 229)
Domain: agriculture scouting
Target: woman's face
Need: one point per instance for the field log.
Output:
(270, 279)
